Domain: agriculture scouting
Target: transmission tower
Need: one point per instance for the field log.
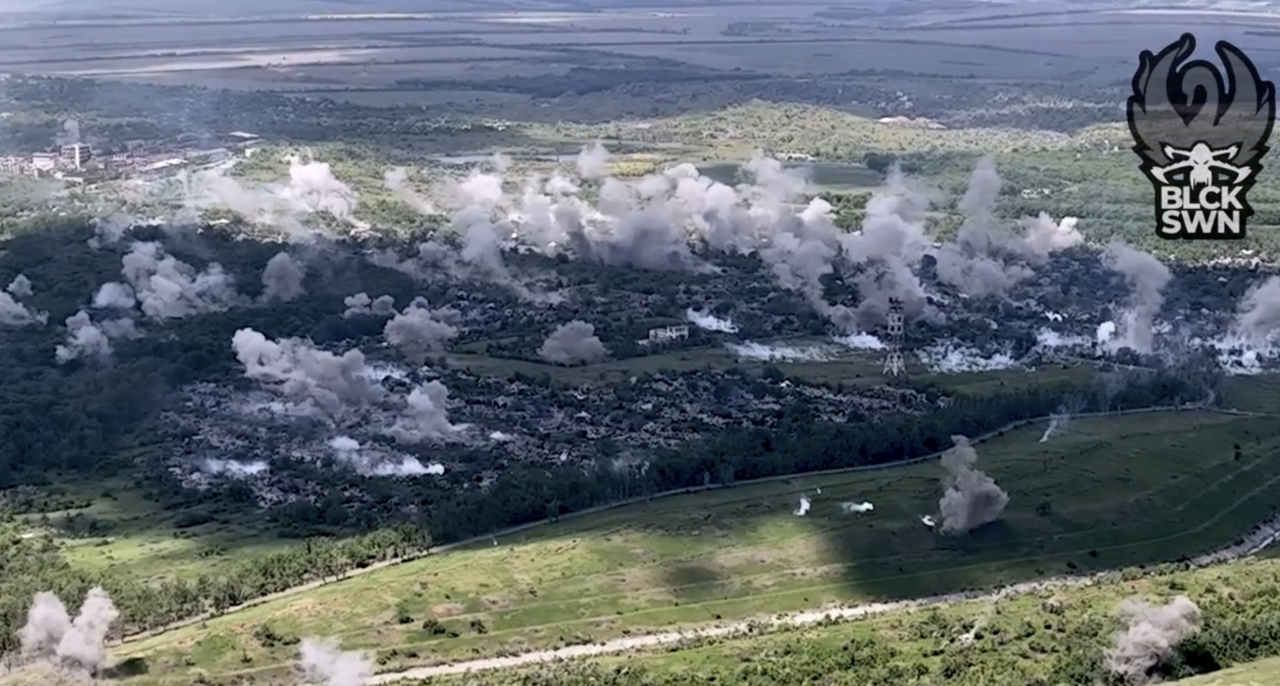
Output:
(894, 366)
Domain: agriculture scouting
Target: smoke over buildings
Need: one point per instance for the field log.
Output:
(574, 342)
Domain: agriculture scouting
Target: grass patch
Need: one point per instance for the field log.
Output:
(120, 531)
(1113, 492)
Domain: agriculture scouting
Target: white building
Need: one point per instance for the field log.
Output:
(75, 155)
(668, 333)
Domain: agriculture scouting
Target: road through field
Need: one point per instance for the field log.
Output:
(611, 506)
(1266, 535)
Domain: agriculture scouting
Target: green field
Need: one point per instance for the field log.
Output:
(1260, 673)
(1113, 492)
(119, 531)
(1052, 636)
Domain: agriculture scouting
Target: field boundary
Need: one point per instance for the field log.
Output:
(598, 509)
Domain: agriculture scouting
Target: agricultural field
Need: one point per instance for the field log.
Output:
(1051, 634)
(1113, 492)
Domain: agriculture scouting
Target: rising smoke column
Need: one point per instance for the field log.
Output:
(89, 340)
(976, 263)
(892, 242)
(50, 634)
(972, 499)
(313, 188)
(573, 343)
(313, 379)
(1150, 637)
(20, 287)
(168, 288)
(282, 279)
(419, 329)
(1146, 277)
(425, 418)
(1259, 312)
(324, 663)
(397, 181)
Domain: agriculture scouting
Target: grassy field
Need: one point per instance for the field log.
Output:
(1017, 640)
(1250, 674)
(1113, 492)
(119, 530)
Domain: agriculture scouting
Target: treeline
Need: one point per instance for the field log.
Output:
(32, 565)
(795, 442)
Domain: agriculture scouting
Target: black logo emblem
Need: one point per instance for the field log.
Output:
(1201, 137)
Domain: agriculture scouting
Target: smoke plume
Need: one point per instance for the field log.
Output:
(397, 181)
(593, 161)
(1150, 637)
(312, 379)
(1259, 312)
(972, 499)
(425, 417)
(50, 634)
(165, 287)
(324, 663)
(282, 278)
(572, 343)
(89, 340)
(1146, 277)
(20, 287)
(313, 188)
(419, 330)
(361, 304)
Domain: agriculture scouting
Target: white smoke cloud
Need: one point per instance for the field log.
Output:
(1150, 637)
(310, 378)
(282, 278)
(972, 499)
(419, 329)
(324, 663)
(89, 340)
(50, 634)
(165, 287)
(572, 343)
(1146, 277)
(20, 287)
(361, 304)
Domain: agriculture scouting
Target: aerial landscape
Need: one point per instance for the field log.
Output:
(605, 343)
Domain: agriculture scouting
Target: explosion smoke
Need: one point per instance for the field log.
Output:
(312, 379)
(573, 343)
(419, 330)
(165, 287)
(361, 305)
(85, 339)
(972, 499)
(50, 633)
(426, 416)
(324, 663)
(1147, 278)
(282, 278)
(1259, 312)
(1151, 636)
(397, 181)
(20, 287)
